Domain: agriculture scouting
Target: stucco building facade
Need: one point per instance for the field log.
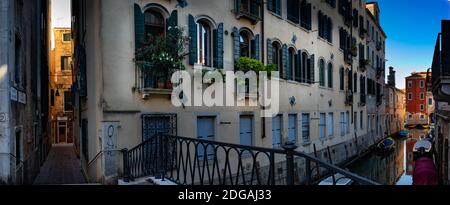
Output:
(395, 105)
(330, 55)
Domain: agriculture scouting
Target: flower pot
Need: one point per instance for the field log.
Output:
(160, 84)
(169, 84)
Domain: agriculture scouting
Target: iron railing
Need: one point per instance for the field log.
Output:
(188, 161)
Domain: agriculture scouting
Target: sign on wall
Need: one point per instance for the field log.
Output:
(109, 147)
(22, 97)
(13, 94)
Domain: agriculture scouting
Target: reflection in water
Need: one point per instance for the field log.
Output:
(394, 169)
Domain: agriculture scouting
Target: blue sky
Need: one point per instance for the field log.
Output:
(412, 27)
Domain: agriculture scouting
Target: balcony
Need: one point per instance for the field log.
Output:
(380, 72)
(348, 56)
(441, 65)
(362, 64)
(362, 32)
(249, 9)
(147, 83)
(349, 97)
(379, 46)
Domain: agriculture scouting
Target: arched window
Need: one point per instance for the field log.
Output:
(244, 44)
(204, 42)
(330, 75)
(322, 72)
(155, 23)
(341, 78)
(277, 55)
(292, 63)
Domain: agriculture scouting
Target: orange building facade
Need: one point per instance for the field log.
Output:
(60, 86)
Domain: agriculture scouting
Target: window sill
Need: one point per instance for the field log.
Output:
(276, 15)
(156, 91)
(324, 40)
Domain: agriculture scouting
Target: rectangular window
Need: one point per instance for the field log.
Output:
(322, 125)
(422, 96)
(422, 107)
(409, 84)
(409, 96)
(205, 131)
(293, 11)
(330, 124)
(66, 37)
(68, 101)
(342, 124)
(430, 101)
(292, 128)
(274, 6)
(422, 84)
(305, 128)
(66, 63)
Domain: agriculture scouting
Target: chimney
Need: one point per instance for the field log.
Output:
(391, 77)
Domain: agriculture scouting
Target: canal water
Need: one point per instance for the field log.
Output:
(394, 169)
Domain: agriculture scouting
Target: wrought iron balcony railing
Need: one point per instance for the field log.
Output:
(188, 161)
(150, 83)
(250, 9)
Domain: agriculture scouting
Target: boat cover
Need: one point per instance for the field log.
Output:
(425, 172)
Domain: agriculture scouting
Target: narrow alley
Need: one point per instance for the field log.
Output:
(61, 167)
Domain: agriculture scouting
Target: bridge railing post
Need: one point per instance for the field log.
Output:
(289, 147)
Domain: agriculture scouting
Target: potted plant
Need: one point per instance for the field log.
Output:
(160, 56)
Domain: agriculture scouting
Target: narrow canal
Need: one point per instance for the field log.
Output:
(394, 169)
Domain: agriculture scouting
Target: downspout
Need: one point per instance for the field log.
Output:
(5, 115)
(263, 37)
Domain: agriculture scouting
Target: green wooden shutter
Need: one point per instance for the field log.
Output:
(312, 77)
(192, 41)
(257, 47)
(237, 5)
(218, 46)
(298, 67)
(236, 45)
(269, 52)
(270, 5)
(278, 9)
(173, 19)
(285, 61)
(139, 26)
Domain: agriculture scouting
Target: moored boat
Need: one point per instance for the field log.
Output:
(425, 172)
(385, 146)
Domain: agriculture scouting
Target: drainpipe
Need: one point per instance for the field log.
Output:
(5, 130)
(263, 40)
